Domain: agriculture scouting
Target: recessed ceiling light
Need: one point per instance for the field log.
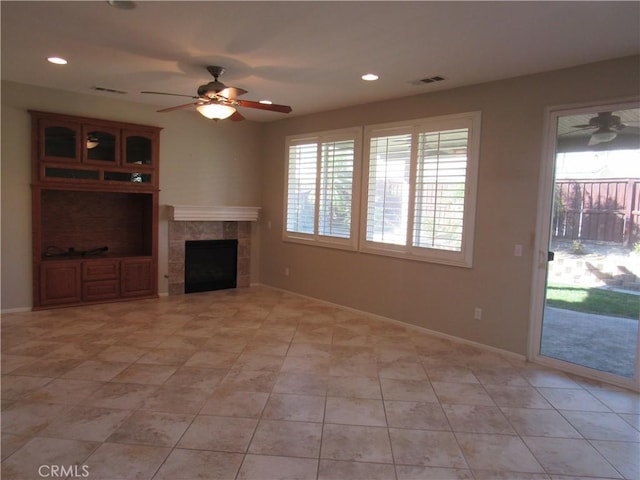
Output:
(57, 60)
(370, 77)
(266, 102)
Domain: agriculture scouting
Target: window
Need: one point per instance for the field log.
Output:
(421, 184)
(321, 190)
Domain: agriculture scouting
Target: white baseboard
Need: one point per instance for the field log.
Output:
(15, 310)
(435, 333)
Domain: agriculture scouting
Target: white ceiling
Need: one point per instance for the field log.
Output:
(309, 55)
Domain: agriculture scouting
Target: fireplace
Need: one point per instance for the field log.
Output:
(210, 265)
(189, 222)
(182, 231)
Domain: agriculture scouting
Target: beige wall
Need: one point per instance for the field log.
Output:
(201, 163)
(438, 297)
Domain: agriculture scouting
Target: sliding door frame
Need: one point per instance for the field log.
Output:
(543, 236)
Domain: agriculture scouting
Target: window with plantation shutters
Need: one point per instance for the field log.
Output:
(420, 182)
(321, 188)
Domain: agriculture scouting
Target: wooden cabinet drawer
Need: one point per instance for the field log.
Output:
(100, 290)
(100, 270)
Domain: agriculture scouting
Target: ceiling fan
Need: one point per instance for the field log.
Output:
(217, 101)
(606, 125)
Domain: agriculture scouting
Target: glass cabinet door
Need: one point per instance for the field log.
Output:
(100, 144)
(138, 149)
(59, 141)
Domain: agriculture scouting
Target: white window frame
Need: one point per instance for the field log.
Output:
(350, 243)
(462, 258)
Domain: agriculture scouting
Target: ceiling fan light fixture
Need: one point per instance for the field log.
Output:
(602, 135)
(216, 111)
(92, 142)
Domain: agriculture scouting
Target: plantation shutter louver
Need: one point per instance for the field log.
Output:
(301, 192)
(440, 189)
(336, 188)
(388, 192)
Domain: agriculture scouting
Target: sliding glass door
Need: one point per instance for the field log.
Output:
(589, 271)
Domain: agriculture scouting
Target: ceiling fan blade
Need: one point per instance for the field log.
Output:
(178, 107)
(264, 106)
(172, 94)
(232, 92)
(630, 130)
(584, 125)
(236, 117)
(575, 130)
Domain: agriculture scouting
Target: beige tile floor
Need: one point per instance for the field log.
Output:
(259, 384)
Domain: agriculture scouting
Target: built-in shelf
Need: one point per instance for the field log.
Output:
(94, 198)
(197, 213)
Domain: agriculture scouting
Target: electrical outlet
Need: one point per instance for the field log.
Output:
(477, 313)
(517, 250)
(286, 271)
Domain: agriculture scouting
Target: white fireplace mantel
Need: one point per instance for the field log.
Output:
(198, 213)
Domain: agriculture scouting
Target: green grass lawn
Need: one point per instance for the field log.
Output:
(594, 300)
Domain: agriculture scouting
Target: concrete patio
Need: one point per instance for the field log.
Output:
(608, 344)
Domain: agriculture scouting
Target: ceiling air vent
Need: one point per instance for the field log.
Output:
(108, 90)
(436, 78)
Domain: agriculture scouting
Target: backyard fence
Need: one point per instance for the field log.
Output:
(597, 210)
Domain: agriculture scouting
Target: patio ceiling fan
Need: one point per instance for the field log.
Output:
(217, 101)
(606, 125)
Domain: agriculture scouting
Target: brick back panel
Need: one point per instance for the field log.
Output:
(88, 220)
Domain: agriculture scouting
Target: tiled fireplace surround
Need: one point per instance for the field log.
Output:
(181, 231)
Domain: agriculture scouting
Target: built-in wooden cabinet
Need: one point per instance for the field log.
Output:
(95, 210)
(84, 151)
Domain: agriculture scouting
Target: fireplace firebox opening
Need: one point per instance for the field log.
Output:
(210, 265)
